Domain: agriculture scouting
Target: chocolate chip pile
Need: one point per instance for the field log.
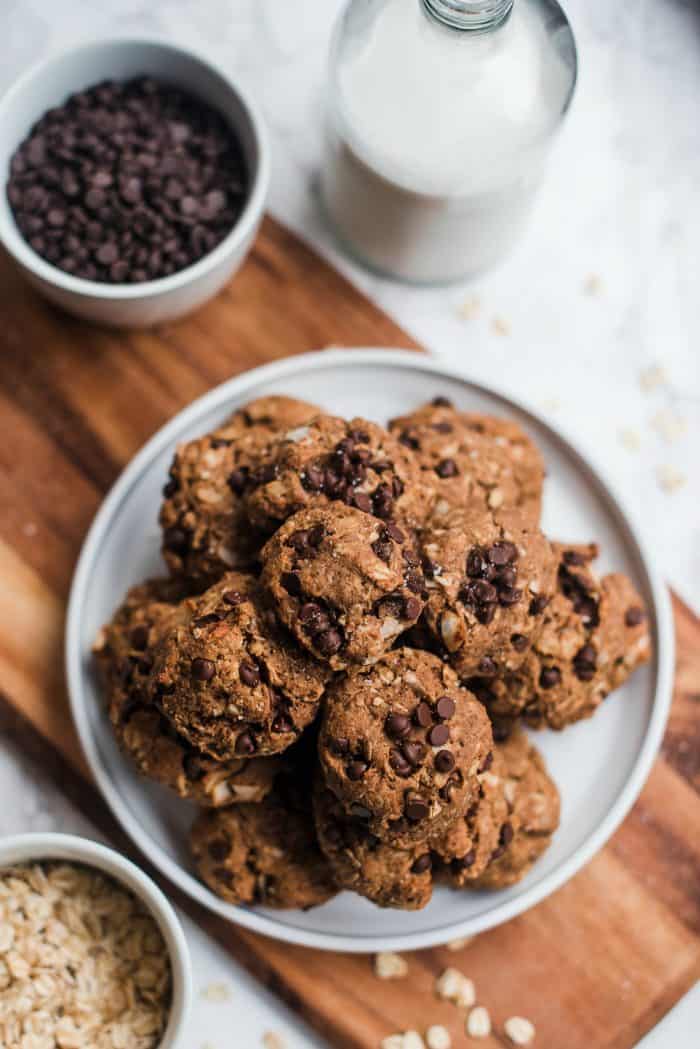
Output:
(356, 622)
(127, 182)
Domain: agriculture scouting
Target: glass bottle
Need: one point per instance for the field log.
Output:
(440, 117)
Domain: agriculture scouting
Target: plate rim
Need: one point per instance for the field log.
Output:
(263, 923)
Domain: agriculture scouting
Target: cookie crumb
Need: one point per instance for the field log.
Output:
(470, 308)
(653, 377)
(519, 1030)
(670, 479)
(438, 1037)
(479, 1023)
(216, 992)
(500, 326)
(272, 1040)
(457, 945)
(454, 986)
(593, 284)
(390, 966)
(630, 439)
(669, 426)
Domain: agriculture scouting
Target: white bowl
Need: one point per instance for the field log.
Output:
(28, 848)
(48, 84)
(599, 765)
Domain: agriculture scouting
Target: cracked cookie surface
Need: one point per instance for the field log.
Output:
(124, 654)
(595, 634)
(205, 531)
(345, 583)
(401, 745)
(356, 462)
(489, 579)
(230, 680)
(265, 854)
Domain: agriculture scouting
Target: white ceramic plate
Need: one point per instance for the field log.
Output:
(599, 765)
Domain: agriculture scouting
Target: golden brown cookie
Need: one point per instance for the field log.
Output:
(489, 577)
(205, 532)
(330, 460)
(345, 583)
(594, 635)
(360, 862)
(459, 467)
(401, 745)
(230, 680)
(533, 803)
(124, 652)
(265, 854)
(525, 456)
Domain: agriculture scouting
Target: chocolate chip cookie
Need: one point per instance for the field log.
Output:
(124, 654)
(489, 577)
(401, 745)
(533, 805)
(360, 862)
(330, 460)
(344, 582)
(525, 457)
(459, 467)
(265, 854)
(594, 635)
(205, 532)
(230, 680)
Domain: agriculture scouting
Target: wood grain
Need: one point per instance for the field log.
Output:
(595, 965)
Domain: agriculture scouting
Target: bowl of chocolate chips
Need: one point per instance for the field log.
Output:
(134, 179)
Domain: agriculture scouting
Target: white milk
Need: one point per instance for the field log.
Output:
(437, 136)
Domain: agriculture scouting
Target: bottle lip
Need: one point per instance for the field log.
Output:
(471, 15)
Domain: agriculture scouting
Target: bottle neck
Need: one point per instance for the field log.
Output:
(474, 15)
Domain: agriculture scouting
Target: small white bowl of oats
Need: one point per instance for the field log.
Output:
(92, 955)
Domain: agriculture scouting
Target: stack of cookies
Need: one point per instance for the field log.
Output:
(355, 622)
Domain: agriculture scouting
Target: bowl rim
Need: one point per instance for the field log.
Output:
(25, 256)
(17, 849)
(262, 922)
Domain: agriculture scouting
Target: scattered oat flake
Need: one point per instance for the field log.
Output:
(500, 326)
(653, 377)
(479, 1022)
(390, 966)
(669, 426)
(593, 285)
(457, 945)
(216, 992)
(670, 479)
(273, 1040)
(438, 1037)
(470, 308)
(630, 439)
(454, 986)
(519, 1030)
(407, 1040)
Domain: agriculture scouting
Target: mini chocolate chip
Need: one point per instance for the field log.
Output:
(519, 642)
(485, 614)
(506, 576)
(412, 608)
(445, 708)
(463, 863)
(218, 849)
(423, 715)
(487, 762)
(329, 642)
(502, 553)
(356, 770)
(509, 595)
(502, 728)
(634, 616)
(291, 583)
(444, 761)
(245, 744)
(340, 746)
(139, 637)
(237, 480)
(249, 673)
(538, 605)
(397, 726)
(475, 563)
(383, 549)
(415, 581)
(203, 669)
(446, 468)
(422, 864)
(506, 835)
(438, 735)
(549, 677)
(312, 478)
(176, 540)
(416, 809)
(282, 723)
(232, 597)
(383, 501)
(171, 488)
(441, 402)
(394, 532)
(573, 557)
(363, 502)
(399, 764)
(315, 535)
(414, 752)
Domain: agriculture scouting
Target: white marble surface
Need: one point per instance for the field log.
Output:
(602, 288)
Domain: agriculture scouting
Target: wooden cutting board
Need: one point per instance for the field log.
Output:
(599, 962)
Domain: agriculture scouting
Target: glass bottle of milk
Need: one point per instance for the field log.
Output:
(441, 114)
